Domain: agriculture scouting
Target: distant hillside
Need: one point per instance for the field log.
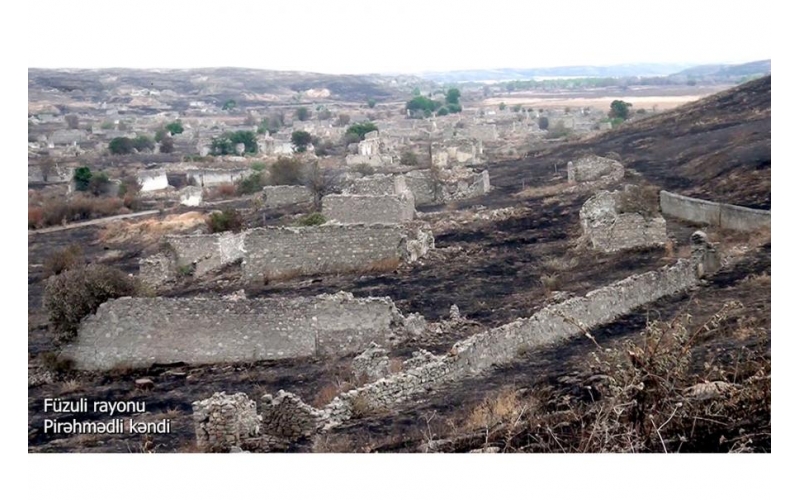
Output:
(755, 68)
(505, 74)
(717, 148)
(218, 84)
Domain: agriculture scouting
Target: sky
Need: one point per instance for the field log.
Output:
(388, 36)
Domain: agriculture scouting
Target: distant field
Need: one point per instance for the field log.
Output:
(664, 98)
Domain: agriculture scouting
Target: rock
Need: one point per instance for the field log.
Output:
(144, 383)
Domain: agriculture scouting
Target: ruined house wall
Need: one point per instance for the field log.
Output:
(611, 231)
(712, 213)
(208, 178)
(592, 168)
(274, 252)
(378, 184)
(206, 252)
(368, 209)
(153, 180)
(503, 344)
(137, 332)
(222, 421)
(281, 196)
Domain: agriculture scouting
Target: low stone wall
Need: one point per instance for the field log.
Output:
(593, 168)
(369, 209)
(281, 196)
(208, 177)
(481, 352)
(138, 332)
(222, 422)
(205, 253)
(714, 214)
(276, 252)
(456, 184)
(610, 231)
(376, 185)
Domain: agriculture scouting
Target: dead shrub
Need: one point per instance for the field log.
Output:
(550, 282)
(223, 192)
(64, 259)
(329, 392)
(78, 208)
(52, 361)
(76, 293)
(361, 407)
(35, 217)
(560, 264)
(227, 220)
(382, 266)
(506, 407)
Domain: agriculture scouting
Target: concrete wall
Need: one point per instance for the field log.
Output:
(368, 209)
(137, 332)
(714, 214)
(281, 196)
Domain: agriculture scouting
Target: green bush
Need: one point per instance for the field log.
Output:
(82, 177)
(175, 127)
(286, 172)
(226, 144)
(120, 146)
(143, 143)
(408, 158)
(619, 109)
(302, 114)
(253, 183)
(227, 220)
(361, 129)
(312, 219)
(76, 293)
(229, 104)
(422, 103)
(544, 123)
(300, 140)
(442, 112)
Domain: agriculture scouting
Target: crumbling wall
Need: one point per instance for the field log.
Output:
(191, 196)
(479, 353)
(287, 416)
(205, 253)
(153, 180)
(138, 332)
(376, 185)
(593, 168)
(372, 364)
(611, 231)
(209, 177)
(446, 185)
(714, 214)
(222, 421)
(369, 209)
(275, 252)
(281, 196)
(157, 269)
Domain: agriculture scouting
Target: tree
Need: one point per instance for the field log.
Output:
(442, 111)
(72, 121)
(620, 109)
(229, 104)
(286, 172)
(544, 123)
(324, 114)
(175, 127)
(120, 146)
(371, 102)
(502, 106)
(82, 177)
(166, 144)
(300, 140)
(246, 137)
(143, 143)
(422, 103)
(99, 183)
(453, 96)
(302, 114)
(361, 129)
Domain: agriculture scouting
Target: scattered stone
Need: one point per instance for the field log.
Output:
(144, 383)
(372, 364)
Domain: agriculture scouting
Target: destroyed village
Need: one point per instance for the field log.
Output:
(230, 260)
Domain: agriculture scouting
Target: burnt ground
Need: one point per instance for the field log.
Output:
(491, 270)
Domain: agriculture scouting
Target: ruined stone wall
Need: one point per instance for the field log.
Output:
(376, 185)
(712, 213)
(137, 332)
(153, 180)
(503, 344)
(281, 196)
(222, 421)
(368, 209)
(274, 252)
(592, 168)
(206, 252)
(611, 231)
(208, 178)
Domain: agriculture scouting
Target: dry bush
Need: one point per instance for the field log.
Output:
(641, 200)
(76, 293)
(328, 393)
(382, 266)
(69, 386)
(560, 264)
(64, 259)
(223, 192)
(52, 361)
(150, 230)
(550, 282)
(506, 407)
(78, 208)
(227, 220)
(361, 407)
(546, 191)
(35, 217)
(652, 394)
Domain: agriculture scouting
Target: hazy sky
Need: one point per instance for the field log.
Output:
(394, 36)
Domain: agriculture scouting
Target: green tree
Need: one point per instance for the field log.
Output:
(371, 102)
(302, 114)
(82, 177)
(120, 146)
(143, 143)
(453, 96)
(362, 129)
(442, 111)
(175, 127)
(422, 103)
(229, 104)
(246, 137)
(502, 106)
(544, 123)
(300, 140)
(620, 109)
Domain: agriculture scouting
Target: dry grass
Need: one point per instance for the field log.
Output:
(69, 387)
(560, 264)
(547, 191)
(506, 407)
(550, 282)
(328, 393)
(361, 407)
(382, 266)
(150, 230)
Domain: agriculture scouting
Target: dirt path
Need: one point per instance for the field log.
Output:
(92, 222)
